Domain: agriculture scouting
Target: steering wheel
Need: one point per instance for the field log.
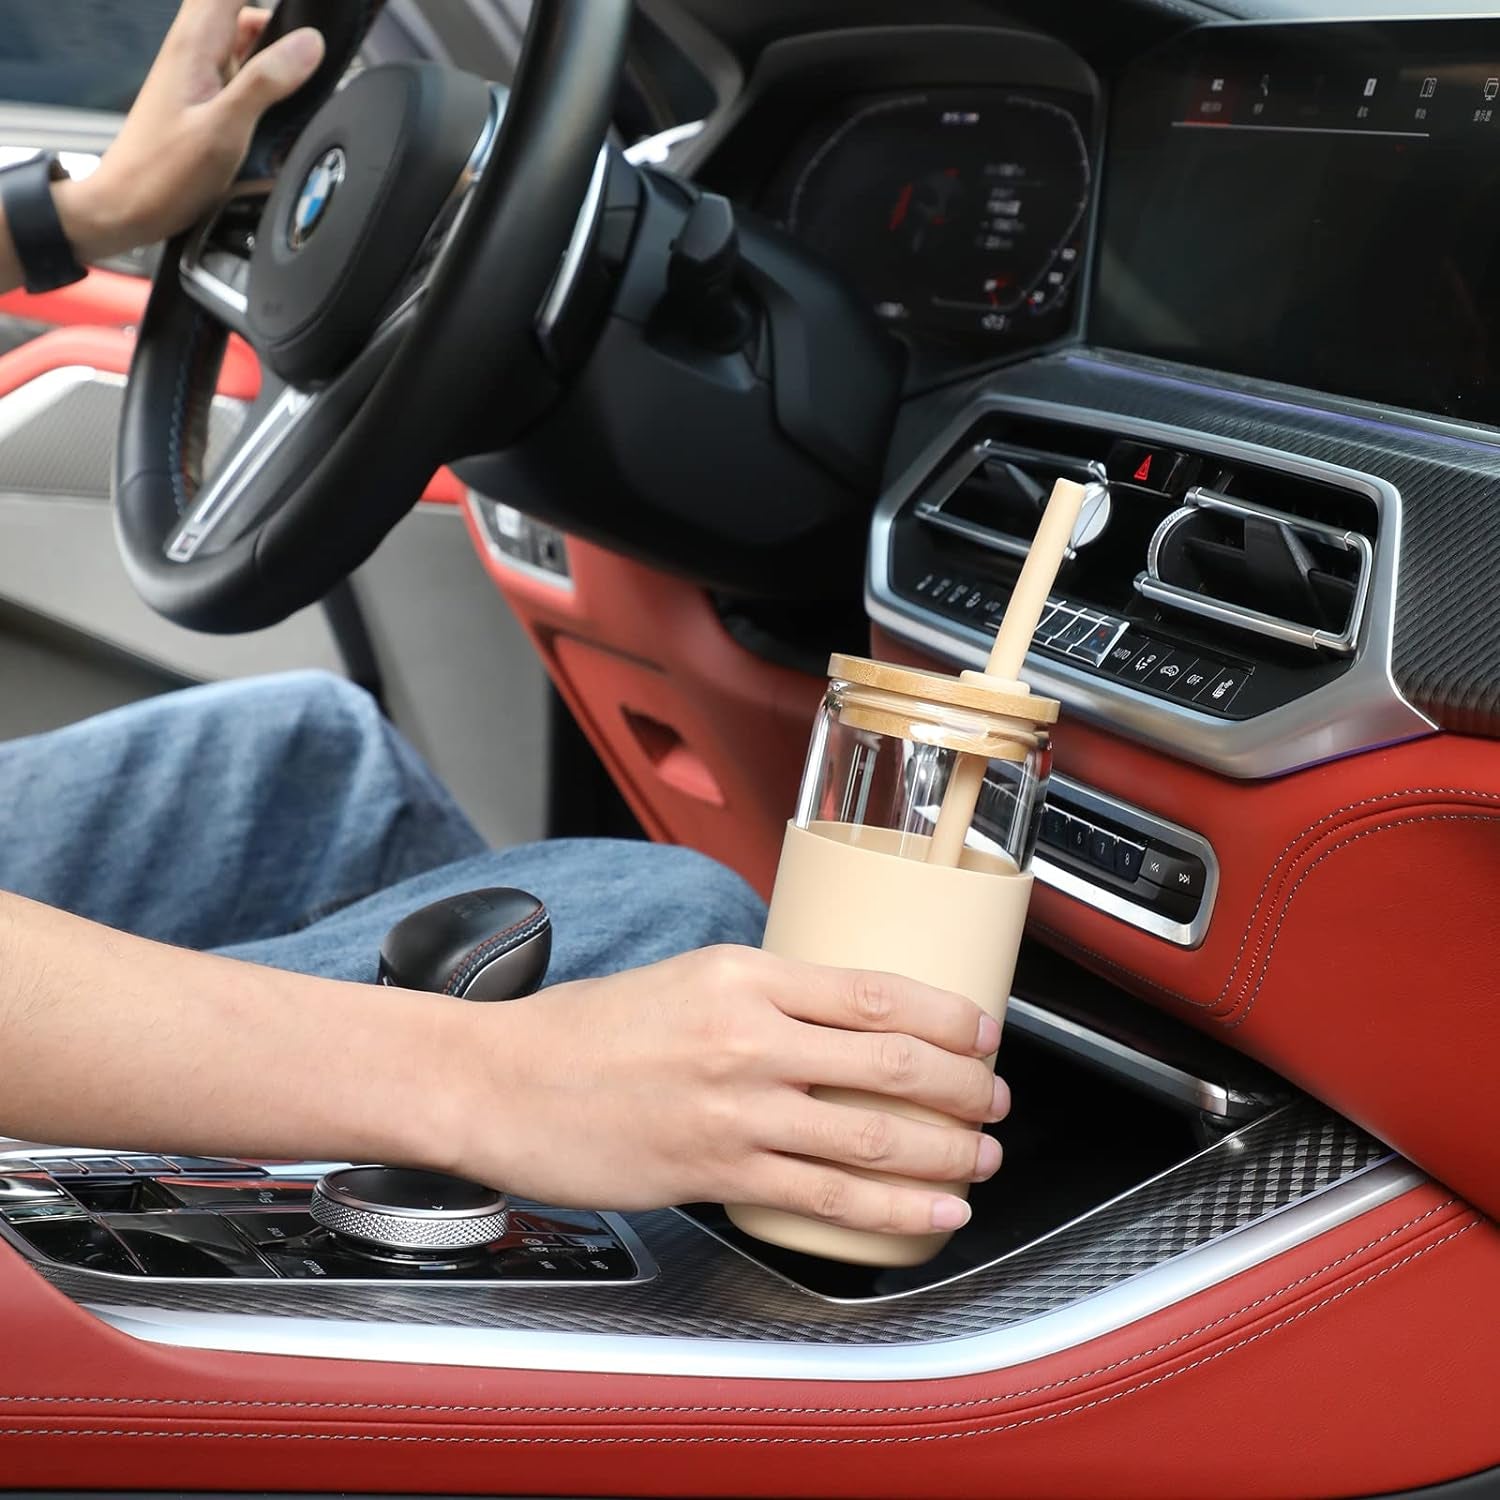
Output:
(386, 254)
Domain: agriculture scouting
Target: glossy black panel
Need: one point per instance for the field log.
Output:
(1313, 204)
(187, 1245)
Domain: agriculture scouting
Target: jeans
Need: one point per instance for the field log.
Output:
(283, 820)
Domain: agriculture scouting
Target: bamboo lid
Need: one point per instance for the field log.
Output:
(1011, 700)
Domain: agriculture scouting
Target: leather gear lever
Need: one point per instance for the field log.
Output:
(490, 944)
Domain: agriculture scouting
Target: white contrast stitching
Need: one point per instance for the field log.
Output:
(695, 1440)
(642, 1410)
(1256, 913)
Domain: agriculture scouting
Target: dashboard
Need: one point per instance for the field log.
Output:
(1309, 204)
(960, 214)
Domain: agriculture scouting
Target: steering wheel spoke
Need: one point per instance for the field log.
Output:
(223, 508)
(214, 267)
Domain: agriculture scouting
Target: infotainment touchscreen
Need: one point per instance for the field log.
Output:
(1315, 204)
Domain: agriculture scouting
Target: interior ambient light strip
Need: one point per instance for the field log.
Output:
(1090, 1318)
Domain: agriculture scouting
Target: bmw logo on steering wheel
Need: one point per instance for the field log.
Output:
(317, 193)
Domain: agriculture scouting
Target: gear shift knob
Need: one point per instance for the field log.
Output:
(483, 945)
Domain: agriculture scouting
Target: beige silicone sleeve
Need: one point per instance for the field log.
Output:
(957, 927)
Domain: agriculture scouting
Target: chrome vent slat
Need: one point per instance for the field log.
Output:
(1151, 585)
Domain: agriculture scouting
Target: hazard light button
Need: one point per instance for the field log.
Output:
(1162, 471)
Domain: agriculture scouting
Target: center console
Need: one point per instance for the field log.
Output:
(1212, 1167)
(186, 1219)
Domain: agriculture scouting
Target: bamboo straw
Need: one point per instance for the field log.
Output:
(1007, 655)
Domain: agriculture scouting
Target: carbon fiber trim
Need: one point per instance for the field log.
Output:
(1446, 658)
(708, 1291)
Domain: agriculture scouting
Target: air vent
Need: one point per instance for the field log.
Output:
(1249, 567)
(995, 496)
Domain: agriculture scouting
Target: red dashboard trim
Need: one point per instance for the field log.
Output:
(103, 299)
(1355, 942)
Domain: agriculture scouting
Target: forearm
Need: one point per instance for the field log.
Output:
(94, 228)
(106, 1039)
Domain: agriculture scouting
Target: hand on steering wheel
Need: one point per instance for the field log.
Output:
(386, 253)
(189, 129)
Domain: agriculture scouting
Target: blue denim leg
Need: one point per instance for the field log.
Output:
(615, 905)
(223, 814)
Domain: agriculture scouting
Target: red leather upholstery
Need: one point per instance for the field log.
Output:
(1355, 945)
(109, 349)
(1363, 1362)
(103, 299)
(705, 741)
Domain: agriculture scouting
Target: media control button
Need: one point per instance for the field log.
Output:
(1076, 838)
(1127, 859)
(1174, 872)
(1170, 670)
(1054, 827)
(15, 1190)
(1123, 652)
(1102, 847)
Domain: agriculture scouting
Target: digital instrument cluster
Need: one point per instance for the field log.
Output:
(961, 215)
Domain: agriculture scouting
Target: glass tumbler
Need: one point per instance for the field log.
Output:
(855, 887)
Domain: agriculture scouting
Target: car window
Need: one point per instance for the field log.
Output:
(84, 54)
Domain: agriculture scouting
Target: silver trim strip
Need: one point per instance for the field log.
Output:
(311, 1172)
(231, 485)
(230, 305)
(1149, 826)
(1152, 586)
(725, 1359)
(1129, 1063)
(560, 293)
(1362, 709)
(563, 582)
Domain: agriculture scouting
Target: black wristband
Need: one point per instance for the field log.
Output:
(47, 259)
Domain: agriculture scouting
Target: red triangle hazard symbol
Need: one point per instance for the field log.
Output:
(1143, 473)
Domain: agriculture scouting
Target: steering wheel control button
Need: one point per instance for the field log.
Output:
(400, 1208)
